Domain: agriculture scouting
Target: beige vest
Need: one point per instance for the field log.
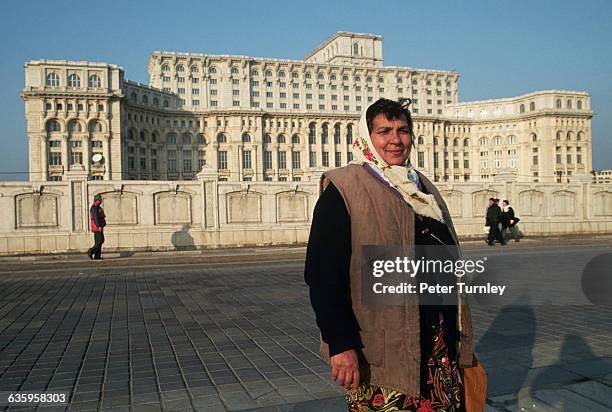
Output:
(390, 334)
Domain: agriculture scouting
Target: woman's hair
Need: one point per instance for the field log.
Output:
(392, 110)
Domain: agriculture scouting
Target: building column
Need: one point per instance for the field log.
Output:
(107, 159)
(65, 156)
(44, 159)
(255, 163)
(86, 153)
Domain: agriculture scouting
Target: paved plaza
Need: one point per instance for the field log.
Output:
(233, 330)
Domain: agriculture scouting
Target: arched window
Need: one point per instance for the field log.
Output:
(154, 137)
(246, 138)
(186, 139)
(280, 138)
(281, 74)
(307, 75)
(53, 80)
(349, 133)
(355, 49)
(295, 75)
(254, 72)
(420, 140)
(221, 138)
(74, 80)
(357, 78)
(558, 137)
(145, 99)
(165, 68)
(131, 135)
(579, 136)
(155, 101)
(522, 108)
(94, 81)
(324, 133)
(532, 106)
(579, 104)
(295, 139)
(212, 70)
(455, 142)
(95, 126)
(511, 139)
(74, 126)
(569, 104)
(497, 140)
(235, 70)
(267, 139)
(337, 134)
(201, 139)
(320, 76)
(143, 136)
(166, 104)
(268, 73)
(483, 141)
(312, 133)
(466, 142)
(133, 98)
(171, 139)
(369, 79)
(53, 126)
(558, 104)
(435, 141)
(194, 69)
(569, 136)
(180, 68)
(534, 137)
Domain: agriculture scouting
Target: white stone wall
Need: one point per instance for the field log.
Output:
(52, 217)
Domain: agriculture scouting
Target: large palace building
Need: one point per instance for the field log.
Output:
(255, 119)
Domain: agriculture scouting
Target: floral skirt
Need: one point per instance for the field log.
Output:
(443, 388)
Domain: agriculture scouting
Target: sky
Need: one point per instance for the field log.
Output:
(500, 48)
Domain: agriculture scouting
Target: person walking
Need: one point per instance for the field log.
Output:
(493, 219)
(97, 222)
(510, 220)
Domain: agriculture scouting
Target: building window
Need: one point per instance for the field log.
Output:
(222, 159)
(313, 159)
(246, 159)
(74, 80)
(53, 126)
(52, 80)
(55, 158)
(325, 159)
(296, 160)
(421, 159)
(282, 160)
(94, 81)
(267, 160)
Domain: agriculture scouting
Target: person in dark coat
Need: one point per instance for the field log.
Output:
(494, 218)
(510, 220)
(97, 222)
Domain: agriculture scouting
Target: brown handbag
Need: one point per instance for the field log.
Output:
(474, 387)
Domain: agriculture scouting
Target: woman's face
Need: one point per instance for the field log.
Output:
(391, 139)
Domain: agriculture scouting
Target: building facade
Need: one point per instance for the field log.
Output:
(254, 119)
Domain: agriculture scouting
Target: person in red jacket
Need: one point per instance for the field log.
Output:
(97, 223)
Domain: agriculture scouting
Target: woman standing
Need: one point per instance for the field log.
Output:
(388, 357)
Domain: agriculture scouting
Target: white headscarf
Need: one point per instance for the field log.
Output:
(402, 178)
